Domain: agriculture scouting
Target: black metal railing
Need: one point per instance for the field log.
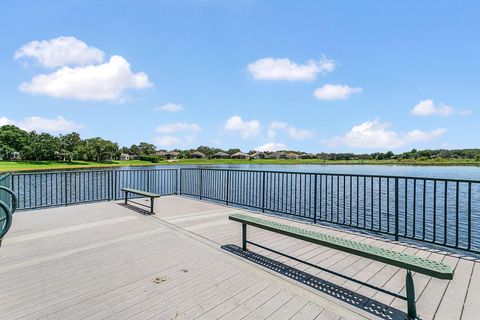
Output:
(440, 211)
(61, 188)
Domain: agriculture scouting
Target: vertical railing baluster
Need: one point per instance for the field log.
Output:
(457, 191)
(396, 209)
(469, 217)
(434, 210)
(445, 211)
(263, 192)
(315, 199)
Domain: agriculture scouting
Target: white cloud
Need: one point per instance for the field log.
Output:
(167, 141)
(170, 141)
(4, 121)
(292, 132)
(419, 135)
(170, 107)
(60, 52)
(428, 108)
(39, 124)
(105, 81)
(271, 146)
(376, 134)
(179, 126)
(284, 69)
(246, 129)
(335, 92)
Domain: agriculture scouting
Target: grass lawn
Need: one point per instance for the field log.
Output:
(49, 165)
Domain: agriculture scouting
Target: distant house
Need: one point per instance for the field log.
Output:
(16, 156)
(161, 153)
(198, 155)
(221, 155)
(172, 155)
(293, 155)
(124, 156)
(277, 155)
(240, 155)
(258, 155)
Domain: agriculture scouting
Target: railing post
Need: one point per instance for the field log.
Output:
(114, 184)
(177, 185)
(201, 183)
(263, 192)
(66, 187)
(109, 188)
(396, 209)
(228, 187)
(148, 180)
(315, 199)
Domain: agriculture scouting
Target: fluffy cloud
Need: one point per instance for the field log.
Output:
(284, 69)
(170, 107)
(246, 129)
(179, 126)
(169, 141)
(4, 121)
(60, 52)
(292, 132)
(105, 81)
(335, 92)
(428, 108)
(271, 146)
(39, 124)
(376, 134)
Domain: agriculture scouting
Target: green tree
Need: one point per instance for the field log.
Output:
(68, 144)
(99, 149)
(146, 149)
(233, 150)
(41, 146)
(13, 139)
(134, 150)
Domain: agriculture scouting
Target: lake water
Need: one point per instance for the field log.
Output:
(437, 211)
(445, 172)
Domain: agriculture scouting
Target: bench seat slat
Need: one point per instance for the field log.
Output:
(140, 192)
(428, 267)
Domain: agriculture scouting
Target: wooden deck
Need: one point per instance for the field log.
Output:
(107, 261)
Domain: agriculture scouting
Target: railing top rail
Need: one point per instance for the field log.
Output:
(86, 170)
(343, 174)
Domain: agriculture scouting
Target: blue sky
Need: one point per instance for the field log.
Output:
(315, 76)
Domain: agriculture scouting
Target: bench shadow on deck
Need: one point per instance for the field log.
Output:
(347, 296)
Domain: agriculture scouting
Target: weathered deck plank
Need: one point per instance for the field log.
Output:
(100, 261)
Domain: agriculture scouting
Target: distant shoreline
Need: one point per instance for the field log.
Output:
(11, 166)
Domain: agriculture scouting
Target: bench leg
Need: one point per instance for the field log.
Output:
(151, 205)
(126, 197)
(412, 308)
(244, 237)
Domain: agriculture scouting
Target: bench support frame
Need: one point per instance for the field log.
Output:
(151, 201)
(244, 236)
(411, 306)
(410, 288)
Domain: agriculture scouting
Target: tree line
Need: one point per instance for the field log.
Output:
(16, 143)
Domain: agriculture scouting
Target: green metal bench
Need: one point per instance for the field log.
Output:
(410, 263)
(147, 194)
